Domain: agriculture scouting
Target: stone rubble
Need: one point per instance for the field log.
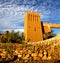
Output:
(40, 52)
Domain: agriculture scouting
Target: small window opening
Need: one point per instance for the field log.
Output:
(34, 29)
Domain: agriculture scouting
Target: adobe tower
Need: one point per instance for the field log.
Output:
(33, 27)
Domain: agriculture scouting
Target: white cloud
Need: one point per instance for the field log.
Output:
(12, 14)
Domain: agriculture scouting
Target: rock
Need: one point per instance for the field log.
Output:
(19, 55)
(9, 56)
(44, 58)
(3, 55)
(40, 54)
(45, 55)
(49, 57)
(15, 52)
(34, 55)
(26, 57)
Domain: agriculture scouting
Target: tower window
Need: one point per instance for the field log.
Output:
(29, 26)
(34, 29)
(37, 18)
(28, 16)
(33, 18)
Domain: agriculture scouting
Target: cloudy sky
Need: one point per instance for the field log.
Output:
(12, 12)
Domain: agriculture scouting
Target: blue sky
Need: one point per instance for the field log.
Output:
(12, 12)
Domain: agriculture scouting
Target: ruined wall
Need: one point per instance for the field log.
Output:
(47, 26)
(52, 25)
(47, 29)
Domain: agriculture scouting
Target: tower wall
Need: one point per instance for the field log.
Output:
(32, 27)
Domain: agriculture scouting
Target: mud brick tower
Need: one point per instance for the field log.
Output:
(32, 27)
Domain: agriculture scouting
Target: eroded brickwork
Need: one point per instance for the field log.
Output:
(32, 27)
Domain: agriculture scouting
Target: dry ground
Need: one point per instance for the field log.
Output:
(47, 51)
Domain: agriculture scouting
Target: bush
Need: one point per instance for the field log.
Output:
(49, 35)
(13, 37)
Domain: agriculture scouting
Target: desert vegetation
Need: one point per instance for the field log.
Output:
(12, 37)
(49, 35)
(17, 37)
